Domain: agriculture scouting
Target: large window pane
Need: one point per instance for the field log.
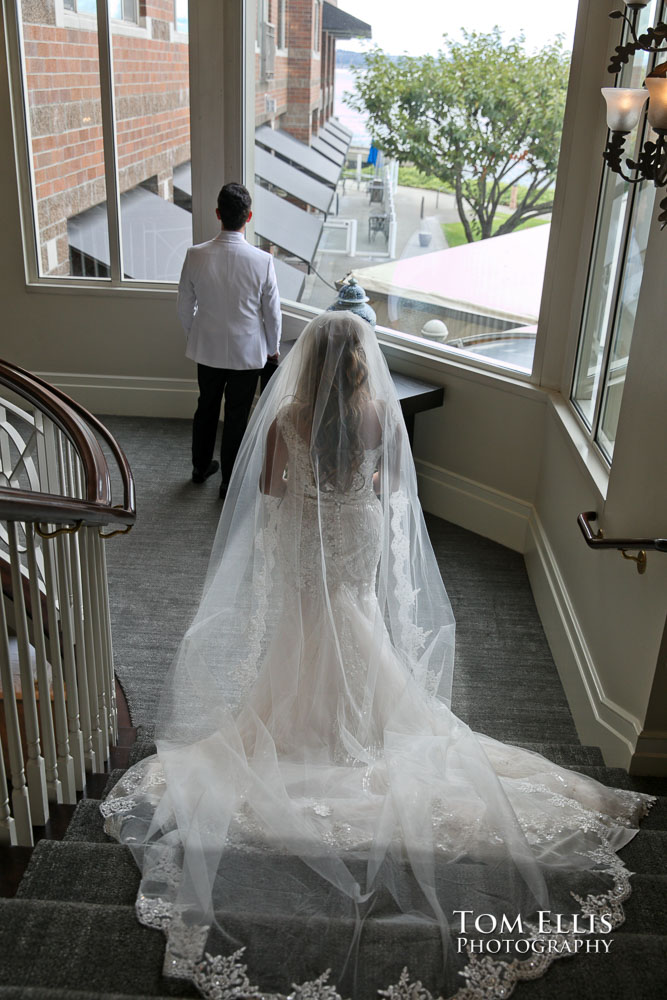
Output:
(459, 268)
(152, 122)
(625, 318)
(602, 284)
(614, 280)
(62, 98)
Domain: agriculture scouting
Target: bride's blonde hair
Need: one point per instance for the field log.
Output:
(333, 394)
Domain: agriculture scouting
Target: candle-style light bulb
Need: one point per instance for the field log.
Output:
(656, 83)
(624, 106)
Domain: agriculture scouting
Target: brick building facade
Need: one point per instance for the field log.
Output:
(151, 94)
(294, 78)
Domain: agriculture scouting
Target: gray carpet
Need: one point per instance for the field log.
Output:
(71, 932)
(156, 574)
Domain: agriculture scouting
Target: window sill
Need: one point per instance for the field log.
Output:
(76, 287)
(587, 454)
(430, 360)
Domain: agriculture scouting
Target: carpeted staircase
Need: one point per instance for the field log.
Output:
(70, 932)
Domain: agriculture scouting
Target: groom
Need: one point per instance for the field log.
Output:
(229, 305)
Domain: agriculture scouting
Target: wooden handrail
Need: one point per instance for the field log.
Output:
(51, 508)
(76, 423)
(129, 498)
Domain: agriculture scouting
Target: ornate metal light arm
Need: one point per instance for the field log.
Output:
(625, 106)
(650, 41)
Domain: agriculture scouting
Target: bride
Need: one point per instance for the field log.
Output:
(315, 813)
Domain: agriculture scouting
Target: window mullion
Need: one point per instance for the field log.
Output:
(109, 136)
(22, 138)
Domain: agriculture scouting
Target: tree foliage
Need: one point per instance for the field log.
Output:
(481, 115)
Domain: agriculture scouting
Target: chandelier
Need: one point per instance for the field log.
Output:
(625, 106)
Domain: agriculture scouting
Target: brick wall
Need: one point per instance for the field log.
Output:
(304, 70)
(275, 89)
(151, 90)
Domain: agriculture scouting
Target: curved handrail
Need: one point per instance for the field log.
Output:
(129, 499)
(599, 541)
(75, 422)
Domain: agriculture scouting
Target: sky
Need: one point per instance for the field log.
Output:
(417, 26)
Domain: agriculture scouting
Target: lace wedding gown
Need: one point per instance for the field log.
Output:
(314, 804)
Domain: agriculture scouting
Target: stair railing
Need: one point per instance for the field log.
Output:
(56, 657)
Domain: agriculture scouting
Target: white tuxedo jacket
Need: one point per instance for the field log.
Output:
(228, 303)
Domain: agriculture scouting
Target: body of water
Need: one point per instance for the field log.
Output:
(351, 119)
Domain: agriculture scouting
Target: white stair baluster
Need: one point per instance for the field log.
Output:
(60, 706)
(96, 679)
(35, 773)
(53, 785)
(105, 623)
(82, 673)
(7, 824)
(65, 602)
(21, 827)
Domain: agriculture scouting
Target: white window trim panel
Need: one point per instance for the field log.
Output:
(178, 37)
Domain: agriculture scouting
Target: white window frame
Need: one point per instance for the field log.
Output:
(222, 149)
(22, 142)
(592, 430)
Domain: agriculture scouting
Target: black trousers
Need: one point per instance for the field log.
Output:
(238, 388)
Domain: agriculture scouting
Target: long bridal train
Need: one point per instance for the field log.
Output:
(314, 804)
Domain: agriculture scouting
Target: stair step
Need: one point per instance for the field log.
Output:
(645, 909)
(44, 993)
(112, 778)
(62, 945)
(13, 863)
(633, 969)
(87, 823)
(567, 754)
(646, 853)
(142, 748)
(616, 777)
(82, 873)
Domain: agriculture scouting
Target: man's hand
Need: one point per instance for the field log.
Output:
(273, 357)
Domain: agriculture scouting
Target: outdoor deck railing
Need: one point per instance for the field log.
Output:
(58, 707)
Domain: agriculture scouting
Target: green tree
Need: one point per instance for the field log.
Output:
(482, 116)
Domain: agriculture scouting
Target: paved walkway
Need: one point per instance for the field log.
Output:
(353, 203)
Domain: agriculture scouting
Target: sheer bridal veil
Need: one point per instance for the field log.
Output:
(314, 804)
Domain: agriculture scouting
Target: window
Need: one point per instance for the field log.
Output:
(119, 10)
(181, 16)
(317, 32)
(614, 281)
(398, 225)
(123, 10)
(103, 175)
(81, 6)
(281, 37)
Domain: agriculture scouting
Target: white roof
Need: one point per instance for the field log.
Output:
(500, 277)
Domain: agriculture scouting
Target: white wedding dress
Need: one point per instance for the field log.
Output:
(316, 813)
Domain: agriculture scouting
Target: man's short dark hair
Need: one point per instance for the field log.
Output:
(234, 204)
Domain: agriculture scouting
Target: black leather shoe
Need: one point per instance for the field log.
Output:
(222, 493)
(199, 477)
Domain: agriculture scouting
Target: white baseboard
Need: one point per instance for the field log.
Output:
(650, 756)
(129, 395)
(472, 505)
(515, 523)
(599, 720)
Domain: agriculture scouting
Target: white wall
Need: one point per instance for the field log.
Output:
(501, 457)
